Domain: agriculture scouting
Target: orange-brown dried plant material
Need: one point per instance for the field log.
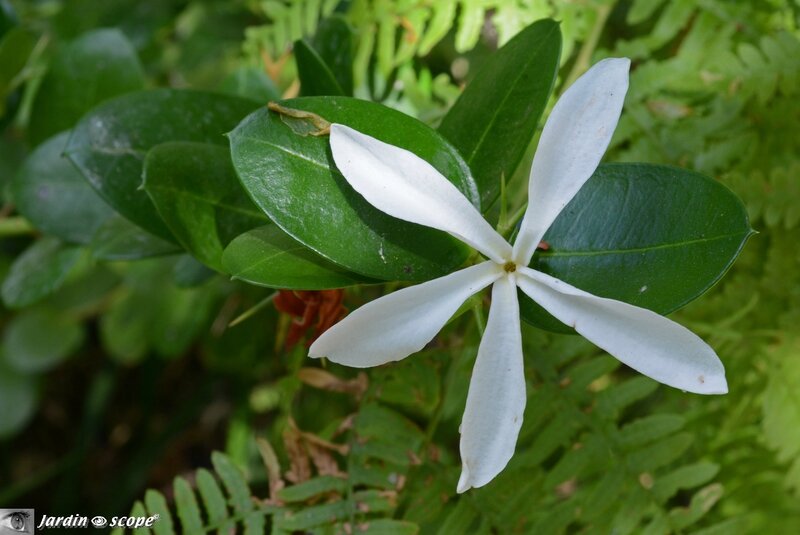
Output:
(311, 309)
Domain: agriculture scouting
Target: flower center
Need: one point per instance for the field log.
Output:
(510, 267)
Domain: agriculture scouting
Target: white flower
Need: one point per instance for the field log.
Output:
(391, 328)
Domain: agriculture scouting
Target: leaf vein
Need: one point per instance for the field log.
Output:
(556, 254)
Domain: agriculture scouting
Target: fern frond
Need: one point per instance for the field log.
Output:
(221, 511)
(287, 21)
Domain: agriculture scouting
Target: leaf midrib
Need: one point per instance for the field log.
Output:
(512, 86)
(287, 151)
(184, 193)
(284, 252)
(263, 260)
(673, 245)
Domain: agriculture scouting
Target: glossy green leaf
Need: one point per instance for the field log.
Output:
(267, 256)
(196, 192)
(38, 272)
(316, 78)
(36, 340)
(291, 176)
(95, 67)
(119, 239)
(650, 235)
(55, 197)
(495, 118)
(110, 143)
(251, 83)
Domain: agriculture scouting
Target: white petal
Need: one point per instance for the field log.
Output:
(401, 323)
(573, 141)
(496, 398)
(407, 187)
(647, 342)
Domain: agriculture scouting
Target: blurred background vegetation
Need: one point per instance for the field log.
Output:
(121, 374)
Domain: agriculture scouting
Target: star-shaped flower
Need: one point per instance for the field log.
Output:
(404, 186)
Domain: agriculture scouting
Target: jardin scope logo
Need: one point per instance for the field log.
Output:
(16, 521)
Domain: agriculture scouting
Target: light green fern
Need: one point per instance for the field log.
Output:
(221, 510)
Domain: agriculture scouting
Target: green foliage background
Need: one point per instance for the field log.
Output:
(118, 376)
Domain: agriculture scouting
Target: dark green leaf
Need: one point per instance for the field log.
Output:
(179, 316)
(250, 83)
(38, 272)
(119, 239)
(110, 143)
(333, 41)
(650, 235)
(18, 398)
(53, 195)
(125, 327)
(138, 20)
(12, 154)
(315, 76)
(152, 313)
(188, 272)
(325, 63)
(38, 339)
(293, 179)
(240, 349)
(495, 118)
(87, 289)
(95, 67)
(196, 192)
(267, 256)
